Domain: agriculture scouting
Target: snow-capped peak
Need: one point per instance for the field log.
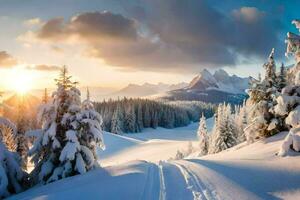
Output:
(220, 80)
(203, 80)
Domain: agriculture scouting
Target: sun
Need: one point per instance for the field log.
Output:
(22, 84)
(21, 81)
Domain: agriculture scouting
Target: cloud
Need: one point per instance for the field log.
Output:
(6, 60)
(32, 22)
(167, 35)
(44, 67)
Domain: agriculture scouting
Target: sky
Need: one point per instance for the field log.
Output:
(111, 43)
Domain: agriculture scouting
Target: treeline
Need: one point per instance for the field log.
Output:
(132, 115)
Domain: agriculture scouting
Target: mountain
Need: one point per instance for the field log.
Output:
(147, 89)
(214, 88)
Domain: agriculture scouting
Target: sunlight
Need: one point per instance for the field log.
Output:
(21, 81)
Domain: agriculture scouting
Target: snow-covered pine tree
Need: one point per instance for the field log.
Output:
(8, 137)
(139, 118)
(117, 121)
(202, 136)
(89, 137)
(22, 127)
(65, 145)
(11, 174)
(282, 78)
(224, 135)
(289, 101)
(264, 121)
(130, 120)
(270, 71)
(241, 122)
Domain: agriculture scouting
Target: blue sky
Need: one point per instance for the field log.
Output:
(111, 42)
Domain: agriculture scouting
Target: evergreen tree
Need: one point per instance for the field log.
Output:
(45, 97)
(22, 127)
(282, 79)
(11, 174)
(270, 71)
(224, 135)
(70, 132)
(139, 118)
(8, 137)
(288, 106)
(130, 120)
(203, 137)
(264, 121)
(116, 121)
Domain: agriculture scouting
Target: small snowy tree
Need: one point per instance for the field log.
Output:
(203, 137)
(282, 78)
(224, 135)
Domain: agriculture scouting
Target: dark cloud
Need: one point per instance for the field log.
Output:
(160, 35)
(44, 67)
(6, 60)
(256, 33)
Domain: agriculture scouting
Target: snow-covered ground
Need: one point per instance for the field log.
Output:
(243, 172)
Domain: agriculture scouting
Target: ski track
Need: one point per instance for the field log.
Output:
(151, 189)
(179, 182)
(162, 193)
(199, 190)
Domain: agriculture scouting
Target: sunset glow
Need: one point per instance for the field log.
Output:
(21, 81)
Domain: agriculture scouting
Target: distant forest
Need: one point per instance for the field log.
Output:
(132, 115)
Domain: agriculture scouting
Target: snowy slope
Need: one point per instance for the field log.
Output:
(243, 172)
(115, 143)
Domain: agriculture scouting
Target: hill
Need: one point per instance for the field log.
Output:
(243, 172)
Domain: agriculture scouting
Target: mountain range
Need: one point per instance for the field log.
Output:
(214, 88)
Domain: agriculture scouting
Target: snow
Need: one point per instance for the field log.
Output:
(243, 172)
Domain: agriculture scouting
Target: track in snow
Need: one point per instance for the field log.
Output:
(152, 186)
(195, 185)
(177, 181)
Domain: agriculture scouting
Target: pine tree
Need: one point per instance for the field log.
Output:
(139, 118)
(116, 121)
(270, 67)
(282, 79)
(203, 137)
(130, 120)
(11, 174)
(22, 127)
(288, 106)
(224, 135)
(8, 138)
(45, 97)
(241, 123)
(66, 144)
(264, 122)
